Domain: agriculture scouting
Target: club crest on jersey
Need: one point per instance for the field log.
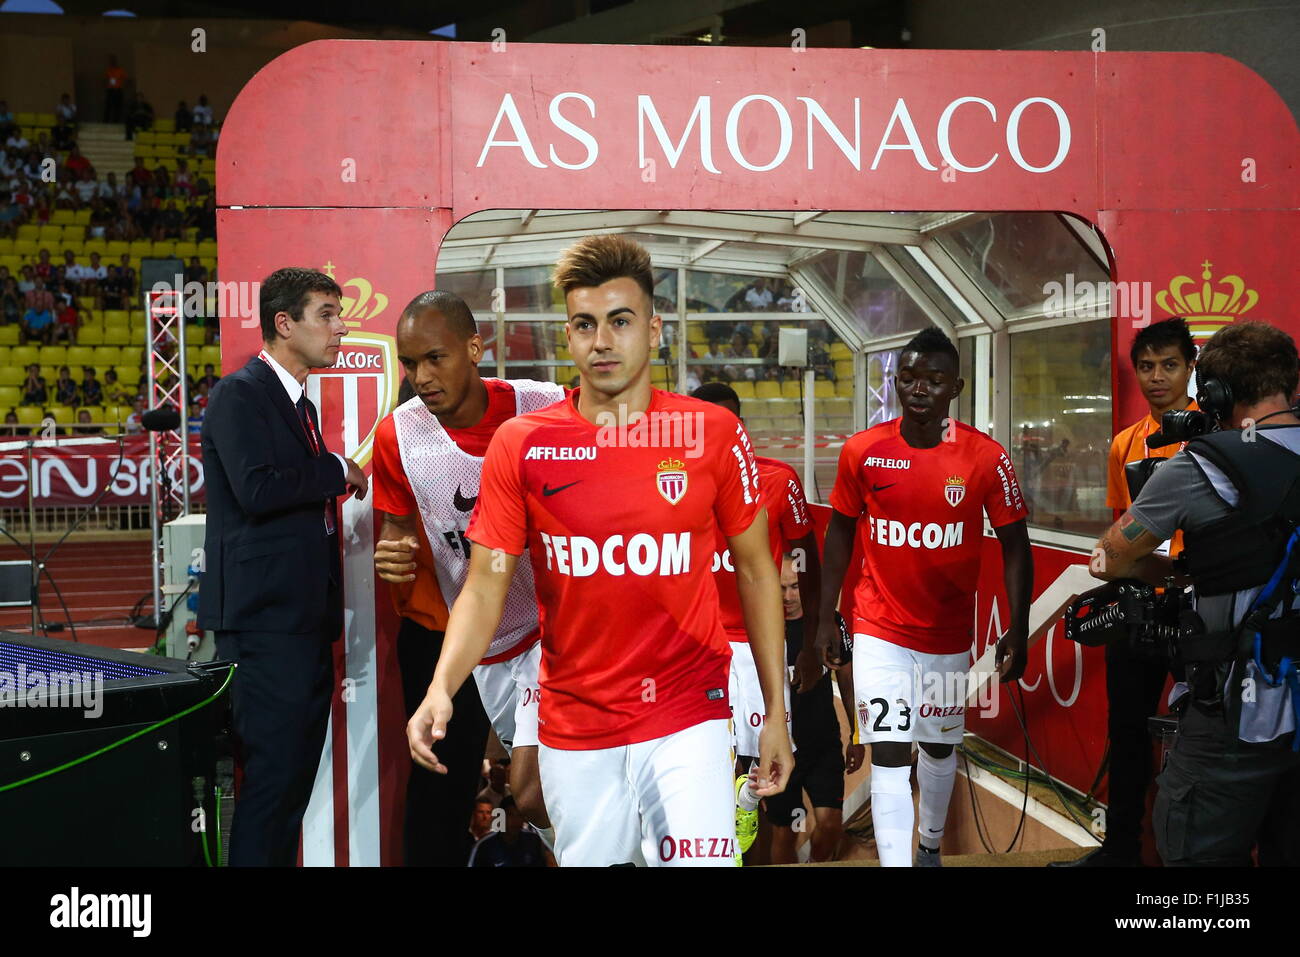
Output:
(955, 490)
(671, 480)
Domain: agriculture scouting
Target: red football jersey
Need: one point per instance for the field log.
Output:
(923, 509)
(620, 525)
(787, 521)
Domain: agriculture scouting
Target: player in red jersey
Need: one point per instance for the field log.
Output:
(923, 483)
(617, 493)
(790, 530)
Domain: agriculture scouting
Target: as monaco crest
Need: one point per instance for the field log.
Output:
(671, 480)
(955, 490)
(355, 393)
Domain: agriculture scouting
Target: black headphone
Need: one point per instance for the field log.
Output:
(1213, 396)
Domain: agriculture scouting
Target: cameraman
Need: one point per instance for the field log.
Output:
(1232, 776)
(1163, 356)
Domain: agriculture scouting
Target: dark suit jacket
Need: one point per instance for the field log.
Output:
(269, 565)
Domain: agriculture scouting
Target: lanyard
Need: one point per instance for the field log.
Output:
(309, 427)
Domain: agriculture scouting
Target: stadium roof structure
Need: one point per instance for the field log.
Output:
(967, 273)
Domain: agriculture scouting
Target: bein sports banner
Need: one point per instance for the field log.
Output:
(76, 471)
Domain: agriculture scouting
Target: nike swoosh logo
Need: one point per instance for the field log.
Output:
(946, 730)
(547, 490)
(881, 488)
(462, 503)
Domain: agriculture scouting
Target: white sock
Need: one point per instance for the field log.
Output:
(935, 777)
(892, 814)
(746, 797)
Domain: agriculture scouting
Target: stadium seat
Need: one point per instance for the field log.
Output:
(766, 389)
(26, 249)
(49, 374)
(164, 248)
(53, 355)
(44, 120)
(23, 356)
(843, 368)
(840, 351)
(116, 247)
(9, 335)
(29, 232)
(4, 356)
(81, 216)
(844, 387)
(12, 375)
(823, 388)
(79, 356)
(120, 413)
(116, 317)
(62, 217)
(186, 249)
(128, 374)
(117, 335)
(195, 335)
(790, 389)
(164, 125)
(10, 396)
(207, 247)
(90, 335)
(107, 356)
(140, 247)
(62, 414)
(49, 234)
(744, 389)
(30, 414)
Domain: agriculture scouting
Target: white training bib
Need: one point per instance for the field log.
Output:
(445, 481)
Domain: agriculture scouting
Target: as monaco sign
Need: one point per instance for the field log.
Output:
(75, 474)
(356, 392)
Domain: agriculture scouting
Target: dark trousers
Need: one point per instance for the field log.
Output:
(1133, 686)
(439, 806)
(1216, 801)
(281, 702)
(113, 106)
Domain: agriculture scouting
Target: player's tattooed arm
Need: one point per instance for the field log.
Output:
(1127, 550)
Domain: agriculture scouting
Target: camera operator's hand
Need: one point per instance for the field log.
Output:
(1012, 653)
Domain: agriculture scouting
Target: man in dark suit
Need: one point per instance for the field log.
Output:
(272, 585)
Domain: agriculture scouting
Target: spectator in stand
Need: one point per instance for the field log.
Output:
(196, 271)
(65, 390)
(66, 322)
(114, 91)
(170, 221)
(194, 421)
(34, 391)
(181, 184)
(101, 216)
(6, 118)
(128, 276)
(16, 140)
(110, 188)
(38, 325)
(72, 269)
(92, 393)
(759, 298)
(44, 268)
(140, 116)
(75, 164)
(147, 213)
(86, 188)
(206, 220)
(28, 281)
(11, 214)
(203, 141)
(134, 423)
(201, 392)
(112, 291)
(202, 112)
(95, 271)
(162, 181)
(83, 424)
(11, 302)
(184, 118)
(11, 427)
(739, 350)
(114, 392)
(66, 127)
(209, 377)
(139, 176)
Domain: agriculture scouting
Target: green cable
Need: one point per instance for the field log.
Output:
(220, 848)
(117, 744)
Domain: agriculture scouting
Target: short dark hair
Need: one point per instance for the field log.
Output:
(460, 319)
(1254, 359)
(716, 392)
(596, 260)
(1161, 335)
(929, 341)
(287, 290)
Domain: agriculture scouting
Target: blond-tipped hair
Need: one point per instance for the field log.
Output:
(596, 260)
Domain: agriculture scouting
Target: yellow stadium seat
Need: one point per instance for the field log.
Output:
(10, 396)
(164, 125)
(23, 356)
(81, 216)
(790, 389)
(744, 389)
(207, 247)
(212, 354)
(107, 356)
(195, 335)
(766, 389)
(49, 374)
(92, 335)
(12, 375)
(164, 248)
(840, 351)
(62, 217)
(823, 388)
(186, 249)
(141, 247)
(27, 249)
(128, 373)
(116, 247)
(29, 231)
(53, 355)
(844, 387)
(62, 414)
(50, 234)
(44, 120)
(117, 335)
(4, 356)
(117, 317)
(9, 335)
(843, 368)
(80, 356)
(29, 414)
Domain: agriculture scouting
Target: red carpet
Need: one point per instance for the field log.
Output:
(100, 581)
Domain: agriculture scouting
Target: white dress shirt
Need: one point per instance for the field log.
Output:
(294, 390)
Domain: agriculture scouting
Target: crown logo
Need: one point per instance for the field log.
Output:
(1205, 309)
(365, 304)
(671, 464)
(956, 480)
